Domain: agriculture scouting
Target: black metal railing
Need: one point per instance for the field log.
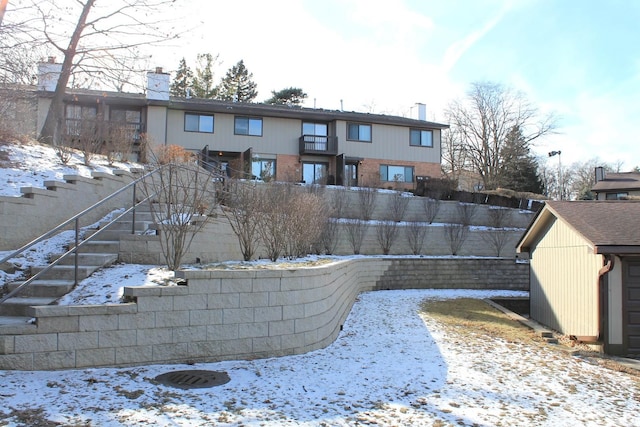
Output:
(318, 144)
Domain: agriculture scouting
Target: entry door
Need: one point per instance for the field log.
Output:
(631, 310)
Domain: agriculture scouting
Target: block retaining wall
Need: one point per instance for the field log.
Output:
(218, 315)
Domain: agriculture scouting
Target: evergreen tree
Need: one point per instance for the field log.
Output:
(203, 80)
(289, 96)
(182, 81)
(237, 85)
(519, 169)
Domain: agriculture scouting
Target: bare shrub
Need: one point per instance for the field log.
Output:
(83, 135)
(367, 202)
(64, 153)
(356, 230)
(185, 200)
(329, 236)
(386, 234)
(339, 199)
(466, 212)
(272, 222)
(242, 204)
(119, 143)
(415, 233)
(498, 217)
(307, 214)
(455, 235)
(430, 208)
(165, 154)
(397, 206)
(497, 239)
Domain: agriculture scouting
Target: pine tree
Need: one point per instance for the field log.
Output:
(203, 81)
(289, 96)
(237, 85)
(519, 169)
(182, 81)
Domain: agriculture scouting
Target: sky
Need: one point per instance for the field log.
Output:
(577, 59)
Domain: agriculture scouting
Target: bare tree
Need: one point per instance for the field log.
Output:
(455, 235)
(430, 208)
(482, 121)
(397, 206)
(367, 202)
(184, 200)
(498, 217)
(466, 212)
(241, 208)
(387, 233)
(339, 201)
(356, 230)
(92, 37)
(454, 155)
(497, 239)
(415, 233)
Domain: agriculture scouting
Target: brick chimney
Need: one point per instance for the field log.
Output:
(48, 74)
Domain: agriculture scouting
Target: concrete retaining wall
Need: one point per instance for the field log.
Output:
(22, 219)
(218, 315)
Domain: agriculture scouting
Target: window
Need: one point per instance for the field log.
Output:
(315, 173)
(198, 123)
(359, 132)
(80, 119)
(126, 121)
(263, 169)
(616, 196)
(396, 173)
(421, 138)
(315, 129)
(248, 126)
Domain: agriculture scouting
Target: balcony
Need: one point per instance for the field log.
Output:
(321, 145)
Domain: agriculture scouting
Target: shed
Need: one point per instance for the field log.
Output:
(585, 271)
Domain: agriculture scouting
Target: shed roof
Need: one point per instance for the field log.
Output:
(610, 226)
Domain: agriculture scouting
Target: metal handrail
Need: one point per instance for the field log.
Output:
(76, 220)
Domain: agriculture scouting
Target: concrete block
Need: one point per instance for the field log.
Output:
(203, 286)
(222, 332)
(6, 344)
(254, 299)
(190, 334)
(236, 347)
(282, 327)
(237, 285)
(77, 340)
(86, 310)
(134, 355)
(269, 345)
(252, 330)
(293, 311)
(170, 352)
(172, 319)
(237, 315)
(144, 320)
(20, 362)
(266, 284)
(58, 324)
(189, 302)
(117, 339)
(293, 341)
(36, 343)
(267, 314)
(55, 360)
(204, 350)
(104, 322)
(205, 317)
(48, 311)
(95, 357)
(154, 303)
(223, 300)
(154, 336)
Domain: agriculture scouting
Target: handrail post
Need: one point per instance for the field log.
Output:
(75, 253)
(133, 212)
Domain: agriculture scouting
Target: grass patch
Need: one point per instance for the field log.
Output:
(473, 316)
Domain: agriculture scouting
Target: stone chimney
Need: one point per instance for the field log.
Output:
(158, 85)
(48, 74)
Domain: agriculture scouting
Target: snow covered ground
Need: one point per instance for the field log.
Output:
(390, 366)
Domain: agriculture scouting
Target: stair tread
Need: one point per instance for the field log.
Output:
(31, 300)
(46, 282)
(14, 320)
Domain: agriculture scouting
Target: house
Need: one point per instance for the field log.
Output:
(616, 186)
(585, 271)
(289, 143)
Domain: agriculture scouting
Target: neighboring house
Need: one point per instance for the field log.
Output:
(585, 271)
(289, 143)
(616, 186)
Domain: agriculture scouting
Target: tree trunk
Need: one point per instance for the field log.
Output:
(50, 133)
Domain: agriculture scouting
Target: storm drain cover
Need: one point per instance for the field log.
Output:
(193, 379)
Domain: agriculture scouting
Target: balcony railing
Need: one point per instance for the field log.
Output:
(103, 130)
(316, 144)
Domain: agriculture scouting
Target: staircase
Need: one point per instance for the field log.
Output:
(100, 251)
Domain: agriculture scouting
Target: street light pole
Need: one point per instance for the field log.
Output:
(560, 179)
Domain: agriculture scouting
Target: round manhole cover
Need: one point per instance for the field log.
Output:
(193, 379)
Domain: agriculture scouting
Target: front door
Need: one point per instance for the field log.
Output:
(631, 308)
(351, 175)
(315, 173)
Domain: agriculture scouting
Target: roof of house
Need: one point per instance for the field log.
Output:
(618, 181)
(612, 227)
(246, 108)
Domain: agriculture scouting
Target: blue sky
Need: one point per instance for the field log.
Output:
(579, 59)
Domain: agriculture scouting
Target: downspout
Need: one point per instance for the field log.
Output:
(606, 268)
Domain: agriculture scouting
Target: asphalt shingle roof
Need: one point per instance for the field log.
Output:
(619, 181)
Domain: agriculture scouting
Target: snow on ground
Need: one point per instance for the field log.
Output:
(389, 367)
